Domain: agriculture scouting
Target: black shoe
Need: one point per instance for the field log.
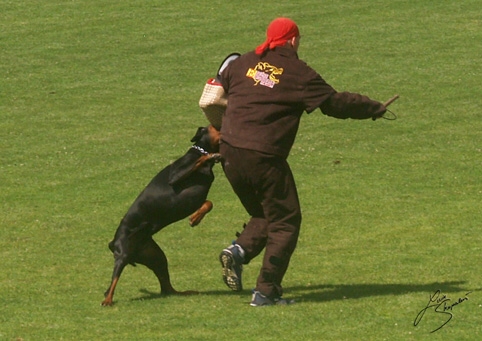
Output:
(260, 300)
(232, 259)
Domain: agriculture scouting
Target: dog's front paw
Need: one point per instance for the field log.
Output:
(216, 157)
(197, 216)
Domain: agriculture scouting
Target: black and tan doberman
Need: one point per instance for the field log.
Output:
(177, 191)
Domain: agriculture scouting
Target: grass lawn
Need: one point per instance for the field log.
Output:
(97, 96)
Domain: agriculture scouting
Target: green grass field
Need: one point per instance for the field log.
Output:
(97, 96)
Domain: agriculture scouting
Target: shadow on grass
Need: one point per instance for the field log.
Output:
(331, 292)
(327, 292)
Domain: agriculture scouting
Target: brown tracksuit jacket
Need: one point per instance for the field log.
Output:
(290, 87)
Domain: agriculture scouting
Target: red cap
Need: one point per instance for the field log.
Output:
(279, 31)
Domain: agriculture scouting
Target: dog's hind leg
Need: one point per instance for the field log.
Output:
(120, 248)
(152, 256)
(109, 294)
(197, 216)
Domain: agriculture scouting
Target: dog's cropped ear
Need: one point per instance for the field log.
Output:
(183, 167)
(199, 134)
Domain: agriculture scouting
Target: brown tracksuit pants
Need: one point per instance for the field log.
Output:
(265, 185)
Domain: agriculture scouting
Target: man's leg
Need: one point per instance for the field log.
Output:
(267, 190)
(282, 209)
(252, 239)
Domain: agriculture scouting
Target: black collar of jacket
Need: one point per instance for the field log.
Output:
(283, 51)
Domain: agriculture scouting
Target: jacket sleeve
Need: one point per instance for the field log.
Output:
(351, 105)
(224, 78)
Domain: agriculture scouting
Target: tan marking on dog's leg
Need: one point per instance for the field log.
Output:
(197, 216)
(108, 301)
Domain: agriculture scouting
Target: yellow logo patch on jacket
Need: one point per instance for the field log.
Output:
(265, 74)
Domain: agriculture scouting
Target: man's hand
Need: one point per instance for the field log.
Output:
(385, 105)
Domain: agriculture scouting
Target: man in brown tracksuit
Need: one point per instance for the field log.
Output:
(268, 91)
